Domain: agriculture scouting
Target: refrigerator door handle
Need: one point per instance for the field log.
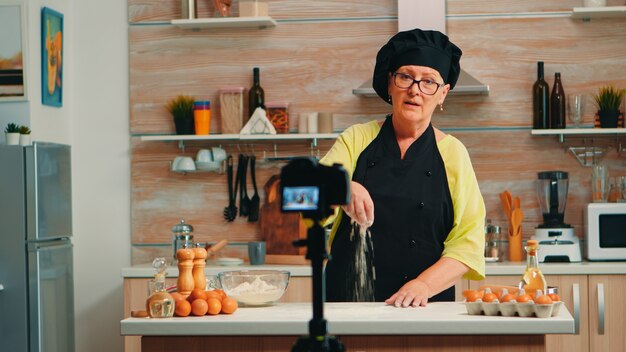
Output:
(58, 244)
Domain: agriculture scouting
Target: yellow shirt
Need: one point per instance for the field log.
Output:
(466, 240)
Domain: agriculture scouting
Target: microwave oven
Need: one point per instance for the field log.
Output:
(605, 231)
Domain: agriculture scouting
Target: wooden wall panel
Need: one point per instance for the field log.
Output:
(160, 10)
(315, 67)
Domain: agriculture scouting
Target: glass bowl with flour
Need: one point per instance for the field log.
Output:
(255, 287)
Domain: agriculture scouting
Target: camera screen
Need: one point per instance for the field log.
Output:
(301, 198)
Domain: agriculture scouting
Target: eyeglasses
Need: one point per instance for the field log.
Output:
(426, 86)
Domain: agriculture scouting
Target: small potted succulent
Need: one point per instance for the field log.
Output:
(181, 109)
(12, 134)
(24, 135)
(608, 101)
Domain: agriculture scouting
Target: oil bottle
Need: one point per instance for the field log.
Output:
(160, 304)
(533, 278)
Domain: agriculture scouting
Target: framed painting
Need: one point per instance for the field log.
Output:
(51, 57)
(12, 52)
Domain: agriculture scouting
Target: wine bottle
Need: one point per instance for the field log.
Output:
(557, 103)
(256, 95)
(541, 90)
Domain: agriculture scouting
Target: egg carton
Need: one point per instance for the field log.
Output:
(511, 309)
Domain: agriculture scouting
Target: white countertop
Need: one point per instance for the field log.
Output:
(491, 269)
(441, 318)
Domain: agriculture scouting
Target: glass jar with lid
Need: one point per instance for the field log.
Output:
(231, 109)
(493, 252)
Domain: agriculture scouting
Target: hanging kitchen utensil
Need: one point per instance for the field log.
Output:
(254, 202)
(244, 200)
(230, 212)
(238, 178)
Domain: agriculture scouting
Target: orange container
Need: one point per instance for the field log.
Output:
(202, 116)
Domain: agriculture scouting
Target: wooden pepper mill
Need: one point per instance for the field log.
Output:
(199, 263)
(185, 281)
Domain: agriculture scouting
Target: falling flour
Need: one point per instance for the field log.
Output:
(361, 289)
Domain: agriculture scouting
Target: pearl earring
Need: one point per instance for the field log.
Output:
(440, 106)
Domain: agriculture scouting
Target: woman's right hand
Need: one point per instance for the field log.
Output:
(361, 206)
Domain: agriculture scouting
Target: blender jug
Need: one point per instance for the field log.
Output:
(552, 192)
(182, 236)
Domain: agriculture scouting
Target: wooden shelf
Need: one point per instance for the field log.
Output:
(313, 137)
(240, 137)
(587, 13)
(578, 131)
(260, 22)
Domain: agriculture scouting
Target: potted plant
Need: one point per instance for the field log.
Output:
(12, 134)
(24, 135)
(608, 101)
(181, 109)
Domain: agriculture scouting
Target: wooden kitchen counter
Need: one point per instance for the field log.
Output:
(366, 326)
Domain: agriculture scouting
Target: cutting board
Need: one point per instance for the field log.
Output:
(277, 228)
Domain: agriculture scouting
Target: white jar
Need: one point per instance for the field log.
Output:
(594, 3)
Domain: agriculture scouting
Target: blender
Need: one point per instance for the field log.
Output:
(556, 238)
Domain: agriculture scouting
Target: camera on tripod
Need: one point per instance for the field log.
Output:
(311, 188)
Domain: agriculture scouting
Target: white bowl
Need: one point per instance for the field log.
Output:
(255, 287)
(186, 163)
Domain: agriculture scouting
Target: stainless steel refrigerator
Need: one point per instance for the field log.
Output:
(36, 262)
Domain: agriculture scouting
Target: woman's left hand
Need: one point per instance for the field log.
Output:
(414, 293)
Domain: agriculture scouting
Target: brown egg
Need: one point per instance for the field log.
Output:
(523, 298)
(554, 297)
(215, 306)
(182, 308)
(472, 296)
(199, 307)
(508, 297)
(177, 296)
(489, 297)
(229, 305)
(543, 300)
(197, 293)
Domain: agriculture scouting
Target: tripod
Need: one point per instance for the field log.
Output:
(318, 339)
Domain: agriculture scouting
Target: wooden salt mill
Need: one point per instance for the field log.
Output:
(199, 263)
(185, 281)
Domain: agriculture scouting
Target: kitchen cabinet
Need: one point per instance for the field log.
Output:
(607, 312)
(136, 292)
(597, 304)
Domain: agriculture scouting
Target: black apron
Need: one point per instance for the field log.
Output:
(413, 215)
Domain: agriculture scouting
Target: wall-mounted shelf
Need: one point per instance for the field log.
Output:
(260, 22)
(586, 155)
(587, 13)
(563, 132)
(313, 137)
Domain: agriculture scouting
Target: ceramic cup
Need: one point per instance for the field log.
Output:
(175, 163)
(204, 156)
(186, 163)
(219, 154)
(256, 252)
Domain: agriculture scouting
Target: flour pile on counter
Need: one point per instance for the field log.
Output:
(257, 292)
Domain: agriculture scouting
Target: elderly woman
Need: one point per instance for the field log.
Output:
(412, 184)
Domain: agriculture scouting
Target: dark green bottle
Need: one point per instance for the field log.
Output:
(256, 96)
(541, 116)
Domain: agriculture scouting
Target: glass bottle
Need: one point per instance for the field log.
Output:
(557, 103)
(541, 90)
(256, 96)
(160, 304)
(533, 278)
